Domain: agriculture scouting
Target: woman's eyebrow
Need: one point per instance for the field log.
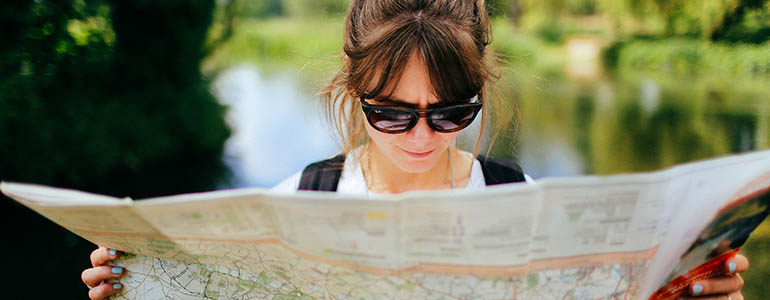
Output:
(402, 103)
(396, 102)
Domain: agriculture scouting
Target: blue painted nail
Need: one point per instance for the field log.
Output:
(697, 289)
(117, 286)
(117, 270)
(732, 266)
(113, 251)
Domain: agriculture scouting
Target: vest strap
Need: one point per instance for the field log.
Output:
(500, 171)
(322, 175)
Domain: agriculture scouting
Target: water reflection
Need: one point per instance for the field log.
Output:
(618, 125)
(276, 129)
(549, 156)
(649, 95)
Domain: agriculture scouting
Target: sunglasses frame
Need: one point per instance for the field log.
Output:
(417, 114)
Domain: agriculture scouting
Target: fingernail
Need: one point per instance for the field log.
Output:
(113, 251)
(732, 266)
(117, 286)
(697, 289)
(117, 270)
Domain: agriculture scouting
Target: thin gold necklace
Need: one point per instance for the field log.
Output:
(369, 174)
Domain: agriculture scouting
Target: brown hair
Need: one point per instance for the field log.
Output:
(380, 35)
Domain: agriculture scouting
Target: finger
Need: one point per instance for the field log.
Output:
(737, 264)
(104, 290)
(717, 285)
(93, 276)
(101, 256)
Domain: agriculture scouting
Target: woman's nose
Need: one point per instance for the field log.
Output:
(422, 130)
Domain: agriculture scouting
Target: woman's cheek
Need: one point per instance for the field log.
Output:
(381, 139)
(450, 137)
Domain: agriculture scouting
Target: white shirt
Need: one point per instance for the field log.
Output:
(352, 179)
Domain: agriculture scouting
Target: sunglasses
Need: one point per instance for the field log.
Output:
(389, 119)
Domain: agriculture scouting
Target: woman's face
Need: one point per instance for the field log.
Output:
(419, 149)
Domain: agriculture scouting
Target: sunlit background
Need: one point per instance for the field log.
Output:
(145, 98)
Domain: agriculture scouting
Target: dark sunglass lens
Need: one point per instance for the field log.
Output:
(390, 120)
(453, 119)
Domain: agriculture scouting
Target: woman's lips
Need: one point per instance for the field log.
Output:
(418, 155)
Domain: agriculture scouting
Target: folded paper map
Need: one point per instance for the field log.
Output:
(632, 236)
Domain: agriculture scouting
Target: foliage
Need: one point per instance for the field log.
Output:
(525, 51)
(686, 56)
(543, 18)
(260, 9)
(325, 8)
(312, 46)
(756, 249)
(582, 7)
(748, 25)
(707, 19)
(315, 8)
(104, 96)
(717, 20)
(87, 91)
(498, 7)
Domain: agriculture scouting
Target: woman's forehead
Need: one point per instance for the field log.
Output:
(413, 86)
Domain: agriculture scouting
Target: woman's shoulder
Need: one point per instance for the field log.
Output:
(326, 167)
(496, 170)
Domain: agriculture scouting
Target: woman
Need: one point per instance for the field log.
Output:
(414, 75)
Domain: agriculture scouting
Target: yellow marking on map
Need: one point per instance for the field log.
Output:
(373, 215)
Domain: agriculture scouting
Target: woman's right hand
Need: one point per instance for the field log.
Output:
(98, 277)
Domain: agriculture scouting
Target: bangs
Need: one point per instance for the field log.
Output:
(451, 57)
(457, 70)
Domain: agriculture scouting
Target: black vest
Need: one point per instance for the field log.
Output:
(325, 175)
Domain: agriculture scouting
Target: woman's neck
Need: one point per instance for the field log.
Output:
(383, 176)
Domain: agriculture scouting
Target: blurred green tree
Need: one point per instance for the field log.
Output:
(260, 9)
(315, 8)
(94, 88)
(708, 19)
(716, 20)
(748, 21)
(104, 96)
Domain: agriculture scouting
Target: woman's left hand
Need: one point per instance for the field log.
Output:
(725, 287)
